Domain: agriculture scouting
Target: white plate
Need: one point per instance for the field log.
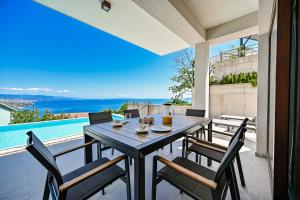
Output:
(117, 125)
(161, 129)
(141, 131)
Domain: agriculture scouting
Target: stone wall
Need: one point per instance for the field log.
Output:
(229, 99)
(157, 109)
(238, 65)
(233, 99)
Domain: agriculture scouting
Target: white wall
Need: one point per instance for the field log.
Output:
(4, 117)
(233, 99)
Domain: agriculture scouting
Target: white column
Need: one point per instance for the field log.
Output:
(264, 17)
(201, 92)
(262, 96)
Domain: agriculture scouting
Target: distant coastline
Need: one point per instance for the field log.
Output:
(58, 105)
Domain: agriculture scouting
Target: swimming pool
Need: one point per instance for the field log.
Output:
(15, 135)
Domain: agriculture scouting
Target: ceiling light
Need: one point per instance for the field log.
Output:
(105, 5)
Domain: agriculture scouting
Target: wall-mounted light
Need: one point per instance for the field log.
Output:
(105, 5)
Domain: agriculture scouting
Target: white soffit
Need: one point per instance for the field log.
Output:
(237, 28)
(125, 20)
(212, 13)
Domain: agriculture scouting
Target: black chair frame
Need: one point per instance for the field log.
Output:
(55, 184)
(199, 133)
(214, 147)
(101, 117)
(226, 167)
(134, 113)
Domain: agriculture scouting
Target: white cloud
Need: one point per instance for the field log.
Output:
(34, 90)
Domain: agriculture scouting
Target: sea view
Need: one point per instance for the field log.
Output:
(86, 105)
(59, 104)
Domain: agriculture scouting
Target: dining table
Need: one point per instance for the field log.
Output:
(138, 145)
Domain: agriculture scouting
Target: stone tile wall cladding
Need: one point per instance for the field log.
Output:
(237, 65)
(157, 109)
(234, 99)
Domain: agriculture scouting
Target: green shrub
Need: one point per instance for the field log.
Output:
(212, 80)
(119, 111)
(26, 116)
(249, 77)
(179, 102)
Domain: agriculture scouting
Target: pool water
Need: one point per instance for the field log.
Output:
(15, 135)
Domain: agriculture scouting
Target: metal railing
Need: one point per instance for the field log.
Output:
(235, 53)
(143, 107)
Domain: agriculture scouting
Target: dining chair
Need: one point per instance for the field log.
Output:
(134, 113)
(198, 181)
(101, 117)
(194, 113)
(212, 150)
(81, 183)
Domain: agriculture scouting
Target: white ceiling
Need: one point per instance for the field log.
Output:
(163, 26)
(125, 20)
(212, 13)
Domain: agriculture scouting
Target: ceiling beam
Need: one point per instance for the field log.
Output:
(237, 28)
(187, 13)
(177, 17)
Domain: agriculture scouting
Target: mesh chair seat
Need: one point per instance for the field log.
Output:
(134, 113)
(92, 185)
(100, 117)
(187, 184)
(195, 112)
(214, 155)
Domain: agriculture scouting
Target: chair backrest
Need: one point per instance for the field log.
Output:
(195, 112)
(134, 112)
(243, 125)
(100, 117)
(232, 151)
(40, 152)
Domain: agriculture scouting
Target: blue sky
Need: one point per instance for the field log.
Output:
(45, 52)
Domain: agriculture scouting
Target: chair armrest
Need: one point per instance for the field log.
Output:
(220, 132)
(74, 149)
(207, 146)
(83, 177)
(207, 142)
(209, 183)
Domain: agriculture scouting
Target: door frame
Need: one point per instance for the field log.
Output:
(279, 176)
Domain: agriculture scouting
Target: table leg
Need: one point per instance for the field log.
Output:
(139, 177)
(209, 138)
(88, 150)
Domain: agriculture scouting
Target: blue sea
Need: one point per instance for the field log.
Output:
(86, 105)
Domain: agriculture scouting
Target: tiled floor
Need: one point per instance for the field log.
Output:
(21, 177)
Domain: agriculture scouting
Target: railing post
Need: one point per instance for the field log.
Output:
(148, 109)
